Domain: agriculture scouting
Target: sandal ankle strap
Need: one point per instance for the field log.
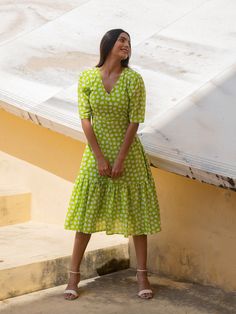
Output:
(142, 270)
(73, 272)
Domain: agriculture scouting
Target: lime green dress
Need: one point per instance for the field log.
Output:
(128, 204)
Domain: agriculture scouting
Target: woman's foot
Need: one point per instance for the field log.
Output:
(72, 285)
(144, 284)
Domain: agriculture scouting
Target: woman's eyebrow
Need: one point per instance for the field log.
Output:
(124, 38)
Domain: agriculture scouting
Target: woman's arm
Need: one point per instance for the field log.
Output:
(91, 138)
(104, 167)
(128, 140)
(118, 166)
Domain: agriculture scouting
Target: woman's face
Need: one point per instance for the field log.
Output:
(122, 47)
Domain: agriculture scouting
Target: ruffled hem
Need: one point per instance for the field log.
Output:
(124, 233)
(113, 206)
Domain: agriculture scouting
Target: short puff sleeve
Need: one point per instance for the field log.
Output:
(137, 96)
(84, 107)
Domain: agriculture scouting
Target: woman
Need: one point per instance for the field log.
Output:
(114, 191)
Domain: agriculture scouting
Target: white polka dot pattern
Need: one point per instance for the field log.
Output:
(126, 205)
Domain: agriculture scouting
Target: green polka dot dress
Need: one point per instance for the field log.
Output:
(128, 204)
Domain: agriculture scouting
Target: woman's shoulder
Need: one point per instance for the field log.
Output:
(134, 78)
(88, 72)
(133, 73)
(87, 75)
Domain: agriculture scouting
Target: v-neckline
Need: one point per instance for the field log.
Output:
(115, 84)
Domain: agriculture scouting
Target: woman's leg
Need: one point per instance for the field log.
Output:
(80, 244)
(140, 244)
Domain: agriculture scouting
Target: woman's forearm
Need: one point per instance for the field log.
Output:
(128, 140)
(91, 138)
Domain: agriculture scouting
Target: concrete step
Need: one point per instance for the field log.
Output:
(36, 256)
(117, 293)
(15, 206)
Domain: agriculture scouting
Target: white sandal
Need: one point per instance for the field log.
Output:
(142, 292)
(72, 291)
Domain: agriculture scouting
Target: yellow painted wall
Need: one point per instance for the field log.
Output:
(197, 241)
(43, 162)
(198, 237)
(14, 208)
(40, 146)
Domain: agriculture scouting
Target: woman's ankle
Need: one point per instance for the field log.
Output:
(74, 278)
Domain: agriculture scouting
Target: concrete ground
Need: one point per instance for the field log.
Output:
(116, 293)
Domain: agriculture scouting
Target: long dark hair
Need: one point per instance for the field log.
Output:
(107, 43)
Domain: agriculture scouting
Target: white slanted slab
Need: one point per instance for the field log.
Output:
(185, 52)
(198, 138)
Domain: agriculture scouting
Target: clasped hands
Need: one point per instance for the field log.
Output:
(105, 169)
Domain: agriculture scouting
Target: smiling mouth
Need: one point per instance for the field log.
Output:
(125, 50)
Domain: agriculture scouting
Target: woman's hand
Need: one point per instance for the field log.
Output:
(117, 168)
(104, 167)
